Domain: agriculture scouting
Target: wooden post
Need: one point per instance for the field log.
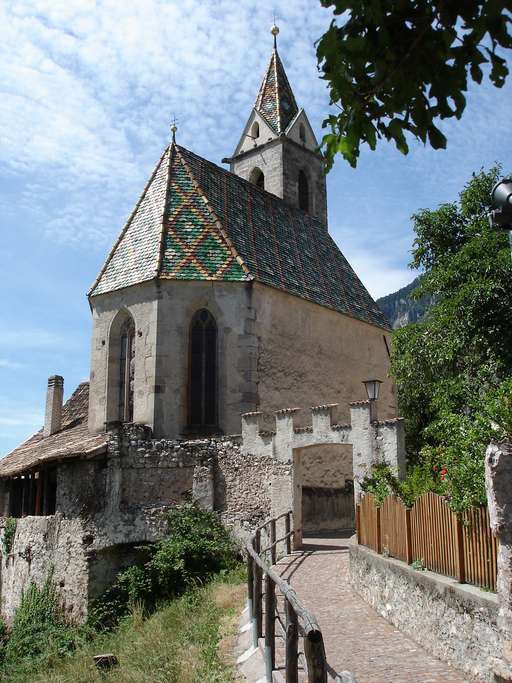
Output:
(287, 526)
(256, 600)
(459, 547)
(358, 523)
(315, 657)
(39, 493)
(270, 625)
(408, 536)
(377, 531)
(273, 549)
(292, 644)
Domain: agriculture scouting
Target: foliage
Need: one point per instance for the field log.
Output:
(452, 369)
(198, 546)
(396, 67)
(39, 632)
(418, 565)
(9, 533)
(182, 641)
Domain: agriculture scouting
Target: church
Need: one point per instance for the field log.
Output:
(223, 301)
(225, 293)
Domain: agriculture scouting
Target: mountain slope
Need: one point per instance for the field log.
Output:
(400, 309)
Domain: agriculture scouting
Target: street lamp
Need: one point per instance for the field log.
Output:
(372, 387)
(501, 200)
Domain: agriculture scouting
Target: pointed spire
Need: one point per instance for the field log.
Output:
(276, 101)
(275, 32)
(174, 128)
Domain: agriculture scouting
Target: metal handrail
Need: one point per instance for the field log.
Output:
(257, 571)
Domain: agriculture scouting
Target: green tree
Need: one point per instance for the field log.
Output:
(397, 66)
(449, 366)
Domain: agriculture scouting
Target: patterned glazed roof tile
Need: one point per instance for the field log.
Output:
(209, 224)
(276, 101)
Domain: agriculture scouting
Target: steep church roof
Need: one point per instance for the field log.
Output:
(197, 221)
(276, 101)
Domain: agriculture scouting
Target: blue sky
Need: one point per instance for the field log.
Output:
(88, 89)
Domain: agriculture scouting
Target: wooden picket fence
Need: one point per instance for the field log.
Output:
(460, 546)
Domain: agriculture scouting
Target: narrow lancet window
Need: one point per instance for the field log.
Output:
(127, 371)
(303, 191)
(203, 371)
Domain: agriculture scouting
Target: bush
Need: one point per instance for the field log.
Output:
(198, 546)
(9, 533)
(39, 630)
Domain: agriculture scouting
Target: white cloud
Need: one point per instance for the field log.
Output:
(26, 338)
(9, 364)
(88, 90)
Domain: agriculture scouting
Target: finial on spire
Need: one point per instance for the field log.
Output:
(174, 128)
(275, 32)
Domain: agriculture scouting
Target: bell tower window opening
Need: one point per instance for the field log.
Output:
(127, 371)
(255, 131)
(303, 191)
(257, 178)
(302, 133)
(203, 371)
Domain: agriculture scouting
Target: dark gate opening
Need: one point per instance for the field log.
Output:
(328, 510)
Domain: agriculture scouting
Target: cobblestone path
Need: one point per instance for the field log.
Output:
(356, 638)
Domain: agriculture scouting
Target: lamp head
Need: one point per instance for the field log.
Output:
(372, 387)
(501, 200)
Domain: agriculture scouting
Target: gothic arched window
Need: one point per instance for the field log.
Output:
(302, 133)
(257, 178)
(203, 370)
(303, 191)
(255, 131)
(126, 370)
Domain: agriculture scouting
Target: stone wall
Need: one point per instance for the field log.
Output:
(455, 622)
(42, 545)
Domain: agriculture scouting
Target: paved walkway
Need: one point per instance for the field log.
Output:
(356, 638)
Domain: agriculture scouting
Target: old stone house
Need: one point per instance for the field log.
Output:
(224, 294)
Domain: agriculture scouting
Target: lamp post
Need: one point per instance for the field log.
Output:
(501, 200)
(372, 387)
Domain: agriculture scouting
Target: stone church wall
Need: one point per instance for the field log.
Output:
(310, 355)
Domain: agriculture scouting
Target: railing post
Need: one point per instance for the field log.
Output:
(256, 601)
(408, 536)
(250, 598)
(377, 532)
(270, 611)
(273, 549)
(315, 657)
(287, 527)
(292, 644)
(358, 523)
(459, 544)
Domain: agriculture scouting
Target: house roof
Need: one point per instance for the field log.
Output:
(73, 441)
(197, 221)
(276, 101)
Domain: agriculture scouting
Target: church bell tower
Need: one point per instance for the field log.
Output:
(278, 150)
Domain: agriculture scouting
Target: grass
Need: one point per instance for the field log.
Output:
(186, 640)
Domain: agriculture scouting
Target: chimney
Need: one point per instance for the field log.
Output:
(53, 412)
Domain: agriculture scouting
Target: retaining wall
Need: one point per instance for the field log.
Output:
(455, 622)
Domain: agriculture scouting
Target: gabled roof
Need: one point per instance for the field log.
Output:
(276, 101)
(73, 441)
(209, 224)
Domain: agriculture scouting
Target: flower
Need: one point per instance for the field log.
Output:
(435, 468)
